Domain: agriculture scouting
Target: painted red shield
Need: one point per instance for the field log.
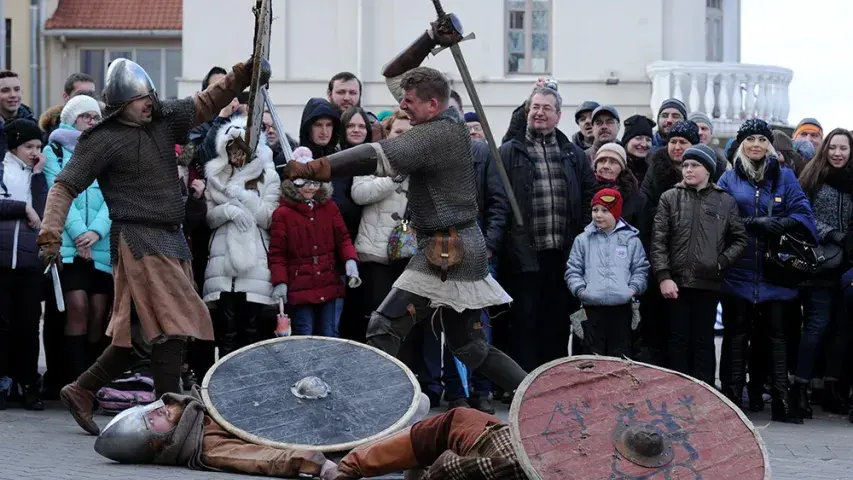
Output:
(601, 417)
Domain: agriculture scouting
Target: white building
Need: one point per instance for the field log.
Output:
(627, 53)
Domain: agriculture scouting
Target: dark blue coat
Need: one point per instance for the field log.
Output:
(780, 191)
(491, 197)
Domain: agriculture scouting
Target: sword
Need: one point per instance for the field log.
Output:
(57, 286)
(481, 113)
(282, 136)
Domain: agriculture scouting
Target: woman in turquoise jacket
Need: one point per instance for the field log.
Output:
(86, 275)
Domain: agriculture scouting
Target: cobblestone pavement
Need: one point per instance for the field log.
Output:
(48, 445)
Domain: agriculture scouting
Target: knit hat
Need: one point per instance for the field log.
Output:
(21, 131)
(612, 150)
(611, 200)
(685, 129)
(77, 106)
(673, 103)
(636, 126)
(471, 117)
(809, 124)
(384, 114)
(805, 148)
(584, 107)
(700, 117)
(607, 109)
(754, 126)
(702, 154)
(782, 141)
(301, 155)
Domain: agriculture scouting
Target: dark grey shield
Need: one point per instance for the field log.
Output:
(264, 393)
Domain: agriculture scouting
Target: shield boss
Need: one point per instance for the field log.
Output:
(601, 417)
(313, 393)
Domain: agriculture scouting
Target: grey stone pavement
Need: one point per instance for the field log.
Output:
(49, 445)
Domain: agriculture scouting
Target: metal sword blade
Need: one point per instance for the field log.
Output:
(282, 135)
(487, 130)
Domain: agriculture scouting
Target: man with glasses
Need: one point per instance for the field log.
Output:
(605, 127)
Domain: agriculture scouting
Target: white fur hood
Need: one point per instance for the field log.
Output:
(219, 167)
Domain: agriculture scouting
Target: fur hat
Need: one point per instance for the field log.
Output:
(21, 131)
(612, 150)
(78, 106)
(610, 199)
(704, 155)
(685, 129)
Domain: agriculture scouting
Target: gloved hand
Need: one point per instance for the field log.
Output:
(233, 191)
(764, 226)
(837, 238)
(241, 219)
(280, 293)
(318, 169)
(352, 273)
(49, 252)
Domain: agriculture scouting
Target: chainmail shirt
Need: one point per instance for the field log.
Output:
(138, 175)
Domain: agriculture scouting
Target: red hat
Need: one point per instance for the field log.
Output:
(610, 199)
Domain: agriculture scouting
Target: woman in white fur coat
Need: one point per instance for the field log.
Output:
(241, 197)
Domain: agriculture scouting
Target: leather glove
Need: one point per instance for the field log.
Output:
(49, 253)
(280, 292)
(764, 226)
(352, 273)
(318, 169)
(446, 30)
(266, 70)
(240, 218)
(837, 238)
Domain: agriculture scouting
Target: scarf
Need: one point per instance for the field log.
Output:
(184, 446)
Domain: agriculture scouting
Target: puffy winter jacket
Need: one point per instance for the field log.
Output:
(697, 235)
(305, 245)
(18, 248)
(604, 266)
(777, 195)
(88, 211)
(384, 205)
(238, 259)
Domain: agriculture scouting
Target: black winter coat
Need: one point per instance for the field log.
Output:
(492, 201)
(519, 253)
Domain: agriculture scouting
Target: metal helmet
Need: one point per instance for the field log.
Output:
(126, 81)
(128, 438)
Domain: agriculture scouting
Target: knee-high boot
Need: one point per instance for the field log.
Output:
(783, 406)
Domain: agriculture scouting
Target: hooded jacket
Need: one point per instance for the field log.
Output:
(18, 248)
(779, 191)
(238, 259)
(308, 240)
(315, 109)
(604, 266)
(88, 211)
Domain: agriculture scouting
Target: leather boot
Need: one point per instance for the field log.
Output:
(32, 398)
(833, 399)
(79, 396)
(783, 407)
(391, 454)
(734, 394)
(756, 397)
(225, 325)
(800, 396)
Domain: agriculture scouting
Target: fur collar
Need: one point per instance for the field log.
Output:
(290, 193)
(662, 168)
(218, 168)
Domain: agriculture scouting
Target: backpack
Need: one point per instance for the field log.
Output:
(121, 394)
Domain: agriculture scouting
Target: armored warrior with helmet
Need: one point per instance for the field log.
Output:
(448, 279)
(131, 154)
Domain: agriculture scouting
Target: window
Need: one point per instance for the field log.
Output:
(528, 36)
(8, 65)
(162, 64)
(714, 31)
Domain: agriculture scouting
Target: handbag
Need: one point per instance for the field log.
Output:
(830, 258)
(790, 261)
(403, 241)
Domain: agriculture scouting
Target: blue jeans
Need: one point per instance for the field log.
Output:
(321, 319)
(823, 307)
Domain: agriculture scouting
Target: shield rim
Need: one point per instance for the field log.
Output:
(514, 410)
(339, 447)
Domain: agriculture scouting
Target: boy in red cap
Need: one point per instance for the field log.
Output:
(607, 269)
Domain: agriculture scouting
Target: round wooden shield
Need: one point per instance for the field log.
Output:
(602, 417)
(313, 393)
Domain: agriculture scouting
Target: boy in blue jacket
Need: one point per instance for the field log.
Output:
(607, 269)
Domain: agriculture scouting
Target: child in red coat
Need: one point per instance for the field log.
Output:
(307, 237)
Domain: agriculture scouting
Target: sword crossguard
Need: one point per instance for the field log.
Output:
(435, 51)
